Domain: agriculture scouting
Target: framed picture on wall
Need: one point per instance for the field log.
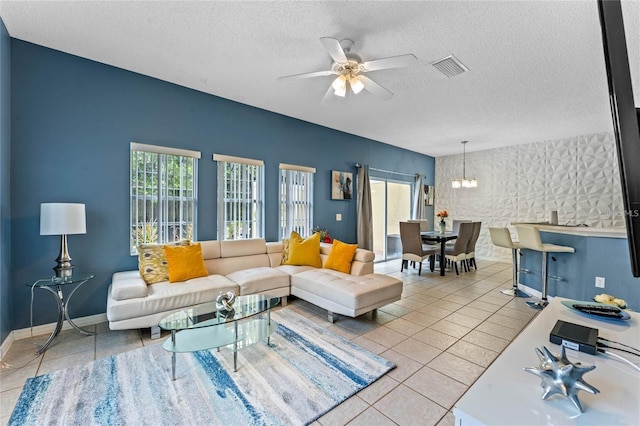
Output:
(341, 185)
(428, 195)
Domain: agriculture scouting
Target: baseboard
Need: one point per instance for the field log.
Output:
(533, 292)
(6, 344)
(24, 333)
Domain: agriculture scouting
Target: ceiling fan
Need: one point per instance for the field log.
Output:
(350, 69)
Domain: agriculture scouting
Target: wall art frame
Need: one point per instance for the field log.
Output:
(341, 185)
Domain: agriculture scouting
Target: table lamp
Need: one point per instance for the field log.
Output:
(62, 219)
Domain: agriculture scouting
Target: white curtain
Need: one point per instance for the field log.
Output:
(418, 199)
(365, 218)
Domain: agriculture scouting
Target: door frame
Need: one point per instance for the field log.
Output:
(386, 181)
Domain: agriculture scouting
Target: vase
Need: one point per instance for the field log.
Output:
(443, 226)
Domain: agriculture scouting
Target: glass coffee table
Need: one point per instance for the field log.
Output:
(202, 327)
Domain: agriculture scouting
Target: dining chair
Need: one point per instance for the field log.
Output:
(456, 228)
(412, 247)
(471, 247)
(424, 224)
(456, 224)
(458, 252)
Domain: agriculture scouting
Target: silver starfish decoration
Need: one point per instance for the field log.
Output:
(561, 376)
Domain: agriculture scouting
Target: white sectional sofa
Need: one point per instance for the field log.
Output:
(251, 267)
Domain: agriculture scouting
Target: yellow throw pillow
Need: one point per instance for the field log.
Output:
(185, 262)
(341, 256)
(304, 252)
(152, 263)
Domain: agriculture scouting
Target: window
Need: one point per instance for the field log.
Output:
(163, 194)
(240, 197)
(296, 200)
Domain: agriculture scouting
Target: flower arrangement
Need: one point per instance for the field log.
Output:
(442, 225)
(324, 234)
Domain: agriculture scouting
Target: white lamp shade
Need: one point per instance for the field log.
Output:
(62, 219)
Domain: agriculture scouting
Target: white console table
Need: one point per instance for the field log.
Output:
(507, 395)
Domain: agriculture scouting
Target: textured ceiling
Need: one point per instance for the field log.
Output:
(536, 68)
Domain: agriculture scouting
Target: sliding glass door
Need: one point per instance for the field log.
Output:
(391, 201)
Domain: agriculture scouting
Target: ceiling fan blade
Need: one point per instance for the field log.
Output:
(328, 96)
(391, 62)
(306, 75)
(332, 46)
(374, 88)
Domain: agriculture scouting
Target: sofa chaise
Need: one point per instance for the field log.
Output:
(251, 267)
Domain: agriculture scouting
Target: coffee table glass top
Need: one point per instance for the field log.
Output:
(203, 327)
(205, 314)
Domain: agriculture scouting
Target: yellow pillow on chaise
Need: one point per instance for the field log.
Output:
(185, 262)
(341, 256)
(304, 252)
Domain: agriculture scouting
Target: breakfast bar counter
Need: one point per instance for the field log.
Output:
(582, 231)
(599, 252)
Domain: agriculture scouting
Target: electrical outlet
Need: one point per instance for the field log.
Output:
(338, 217)
(600, 282)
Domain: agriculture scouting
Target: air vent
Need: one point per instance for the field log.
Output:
(450, 66)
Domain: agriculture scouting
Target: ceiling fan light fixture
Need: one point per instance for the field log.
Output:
(342, 92)
(340, 83)
(349, 69)
(340, 86)
(356, 85)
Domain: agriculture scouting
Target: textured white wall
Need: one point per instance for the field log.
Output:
(577, 176)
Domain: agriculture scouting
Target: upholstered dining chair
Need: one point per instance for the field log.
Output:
(455, 227)
(458, 253)
(424, 224)
(471, 247)
(456, 224)
(412, 247)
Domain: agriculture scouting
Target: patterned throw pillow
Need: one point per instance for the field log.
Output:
(185, 262)
(152, 262)
(285, 251)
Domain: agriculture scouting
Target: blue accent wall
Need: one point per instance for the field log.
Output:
(72, 121)
(5, 198)
(593, 257)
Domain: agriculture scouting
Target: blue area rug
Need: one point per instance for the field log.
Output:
(305, 372)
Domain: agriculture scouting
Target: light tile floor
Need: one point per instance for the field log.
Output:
(442, 335)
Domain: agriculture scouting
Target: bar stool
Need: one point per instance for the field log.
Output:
(529, 237)
(501, 237)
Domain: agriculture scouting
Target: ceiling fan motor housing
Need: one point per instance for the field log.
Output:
(352, 66)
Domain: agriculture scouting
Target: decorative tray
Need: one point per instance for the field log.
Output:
(597, 310)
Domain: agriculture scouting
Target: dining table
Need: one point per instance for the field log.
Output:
(437, 236)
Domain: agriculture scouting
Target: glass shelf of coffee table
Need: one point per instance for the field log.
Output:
(202, 327)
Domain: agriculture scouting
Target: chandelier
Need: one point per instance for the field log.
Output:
(464, 182)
